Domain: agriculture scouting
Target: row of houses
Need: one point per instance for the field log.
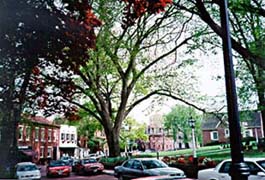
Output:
(214, 131)
(40, 140)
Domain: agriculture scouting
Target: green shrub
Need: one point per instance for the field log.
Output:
(111, 162)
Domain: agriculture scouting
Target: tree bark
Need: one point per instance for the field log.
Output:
(113, 136)
(9, 117)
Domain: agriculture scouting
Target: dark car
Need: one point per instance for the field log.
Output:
(90, 165)
(142, 167)
(75, 161)
(58, 168)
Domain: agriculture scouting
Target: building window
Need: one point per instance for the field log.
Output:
(248, 133)
(41, 151)
(42, 134)
(227, 133)
(214, 135)
(49, 135)
(63, 136)
(20, 133)
(28, 131)
(49, 152)
(67, 137)
(73, 138)
(37, 132)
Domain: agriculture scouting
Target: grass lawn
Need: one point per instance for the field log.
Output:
(213, 152)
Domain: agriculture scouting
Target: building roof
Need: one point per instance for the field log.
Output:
(210, 123)
(249, 119)
(41, 120)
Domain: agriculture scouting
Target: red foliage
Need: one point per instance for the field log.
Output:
(36, 70)
(137, 8)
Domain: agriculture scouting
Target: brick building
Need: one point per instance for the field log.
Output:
(38, 139)
(159, 139)
(216, 130)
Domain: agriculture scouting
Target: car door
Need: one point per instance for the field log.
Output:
(127, 169)
(223, 173)
(137, 169)
(78, 167)
(254, 170)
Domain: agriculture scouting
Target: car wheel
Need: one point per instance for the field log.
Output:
(82, 171)
(120, 177)
(48, 175)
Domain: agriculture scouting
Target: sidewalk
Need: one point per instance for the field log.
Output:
(108, 172)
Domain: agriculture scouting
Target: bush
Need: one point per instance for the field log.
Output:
(213, 143)
(111, 162)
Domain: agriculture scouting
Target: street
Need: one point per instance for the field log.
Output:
(106, 175)
(88, 177)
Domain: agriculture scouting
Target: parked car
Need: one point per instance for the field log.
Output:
(90, 165)
(58, 168)
(75, 161)
(141, 167)
(166, 177)
(27, 170)
(68, 160)
(97, 155)
(221, 171)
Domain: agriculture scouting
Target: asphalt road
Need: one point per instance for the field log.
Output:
(88, 177)
(107, 175)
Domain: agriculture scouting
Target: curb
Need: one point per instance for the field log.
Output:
(108, 172)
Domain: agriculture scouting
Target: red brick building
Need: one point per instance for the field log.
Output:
(159, 139)
(216, 130)
(38, 139)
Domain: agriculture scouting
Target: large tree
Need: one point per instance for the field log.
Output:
(247, 35)
(130, 47)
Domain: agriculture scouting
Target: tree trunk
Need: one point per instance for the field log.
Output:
(261, 107)
(113, 136)
(9, 117)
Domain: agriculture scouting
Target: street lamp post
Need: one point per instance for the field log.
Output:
(192, 125)
(239, 170)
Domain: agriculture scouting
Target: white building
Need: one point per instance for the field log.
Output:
(68, 140)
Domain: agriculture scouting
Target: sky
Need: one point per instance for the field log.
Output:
(211, 67)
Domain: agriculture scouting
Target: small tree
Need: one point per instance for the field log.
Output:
(177, 121)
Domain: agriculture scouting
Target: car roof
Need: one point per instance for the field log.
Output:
(162, 177)
(25, 163)
(249, 159)
(145, 159)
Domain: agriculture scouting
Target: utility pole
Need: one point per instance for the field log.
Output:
(239, 169)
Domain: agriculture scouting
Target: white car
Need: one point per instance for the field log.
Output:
(221, 171)
(142, 167)
(27, 171)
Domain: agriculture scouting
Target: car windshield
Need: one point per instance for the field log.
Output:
(57, 163)
(261, 163)
(150, 164)
(86, 161)
(65, 158)
(27, 167)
